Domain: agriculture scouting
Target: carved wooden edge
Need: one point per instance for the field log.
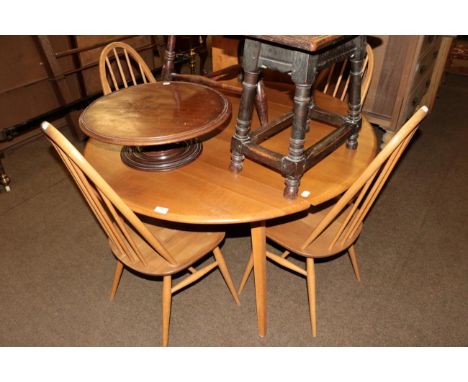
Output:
(152, 141)
(310, 43)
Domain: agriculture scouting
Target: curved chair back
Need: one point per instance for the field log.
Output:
(337, 77)
(112, 213)
(118, 63)
(364, 191)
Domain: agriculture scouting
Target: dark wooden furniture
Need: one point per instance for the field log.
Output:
(407, 74)
(157, 122)
(149, 248)
(302, 57)
(207, 192)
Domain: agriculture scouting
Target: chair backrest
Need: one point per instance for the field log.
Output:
(112, 213)
(337, 77)
(119, 62)
(364, 191)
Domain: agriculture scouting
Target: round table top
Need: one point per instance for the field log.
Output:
(207, 192)
(155, 114)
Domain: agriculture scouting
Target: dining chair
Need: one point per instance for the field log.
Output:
(335, 229)
(334, 80)
(145, 247)
(122, 64)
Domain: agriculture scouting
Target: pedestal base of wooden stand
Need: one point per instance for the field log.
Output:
(161, 158)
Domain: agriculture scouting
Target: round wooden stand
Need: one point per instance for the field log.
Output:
(161, 158)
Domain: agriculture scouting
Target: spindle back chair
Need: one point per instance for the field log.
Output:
(334, 80)
(335, 229)
(144, 247)
(123, 66)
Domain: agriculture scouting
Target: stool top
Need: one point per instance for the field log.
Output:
(310, 43)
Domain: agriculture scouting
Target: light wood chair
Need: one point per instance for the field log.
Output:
(334, 80)
(335, 229)
(144, 247)
(120, 62)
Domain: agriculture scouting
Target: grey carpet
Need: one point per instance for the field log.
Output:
(56, 268)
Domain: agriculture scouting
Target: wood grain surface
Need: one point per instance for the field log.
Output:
(207, 192)
(155, 114)
(310, 43)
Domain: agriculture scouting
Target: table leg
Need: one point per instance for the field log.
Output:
(259, 256)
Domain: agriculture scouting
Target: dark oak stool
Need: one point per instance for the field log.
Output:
(302, 57)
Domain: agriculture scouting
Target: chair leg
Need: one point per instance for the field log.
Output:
(246, 274)
(352, 256)
(225, 272)
(117, 275)
(311, 293)
(166, 308)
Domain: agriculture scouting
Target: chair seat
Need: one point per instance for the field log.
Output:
(292, 234)
(185, 245)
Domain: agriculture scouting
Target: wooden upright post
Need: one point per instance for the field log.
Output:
(58, 80)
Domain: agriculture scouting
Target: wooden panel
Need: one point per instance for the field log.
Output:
(20, 63)
(25, 103)
(391, 74)
(25, 91)
(425, 65)
(430, 43)
(415, 97)
(408, 70)
(224, 52)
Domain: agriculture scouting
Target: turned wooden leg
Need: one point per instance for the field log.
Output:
(225, 272)
(169, 58)
(246, 274)
(259, 260)
(352, 256)
(117, 275)
(296, 141)
(354, 100)
(244, 117)
(311, 293)
(166, 309)
(244, 120)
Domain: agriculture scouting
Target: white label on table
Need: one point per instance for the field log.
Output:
(305, 194)
(166, 83)
(161, 210)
